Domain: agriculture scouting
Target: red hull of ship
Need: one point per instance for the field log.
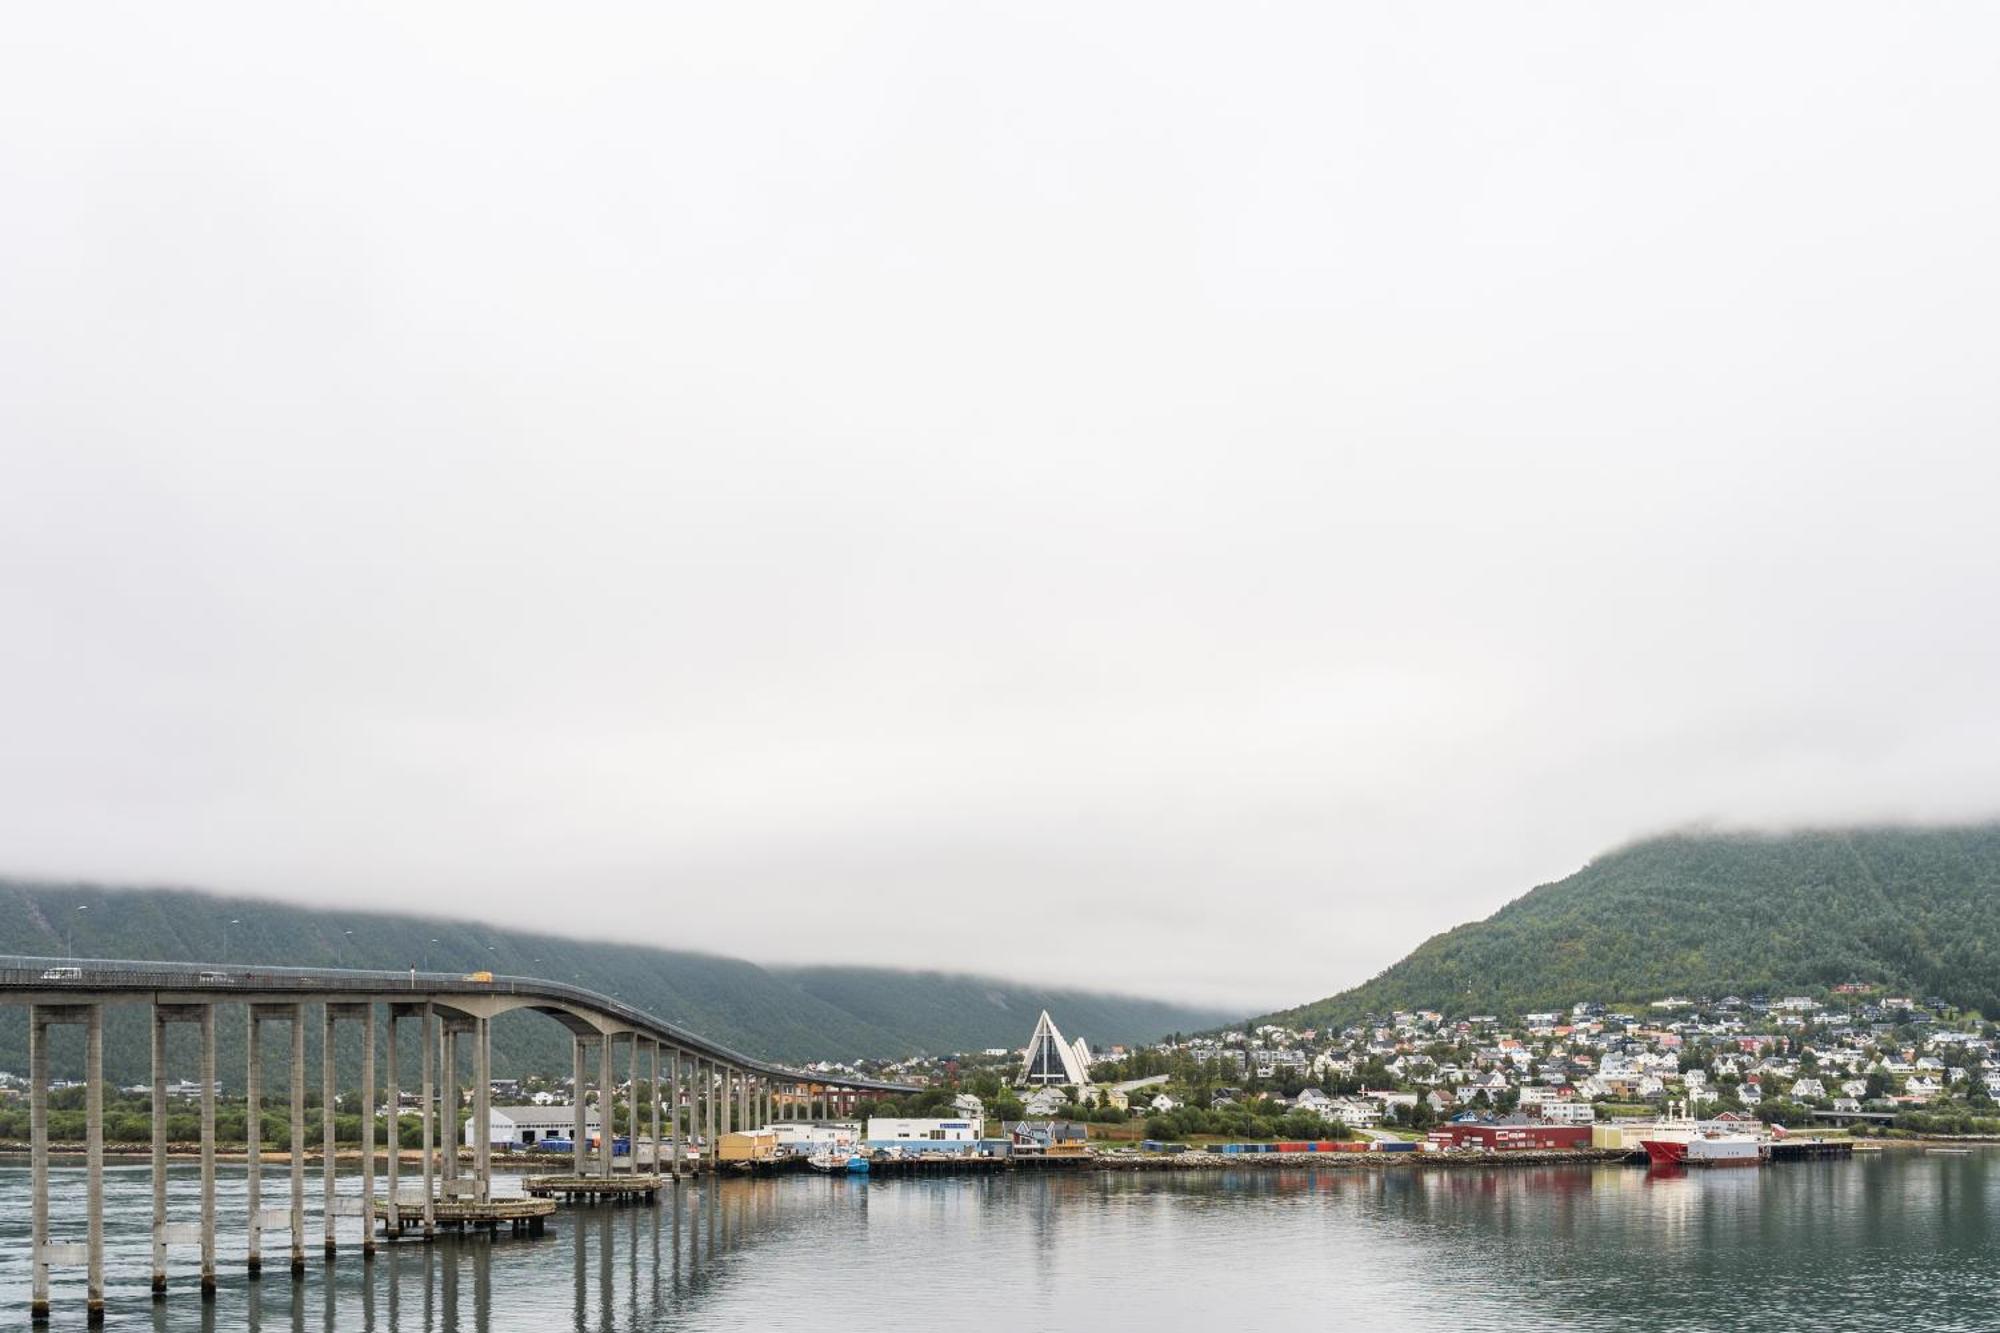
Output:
(1665, 1152)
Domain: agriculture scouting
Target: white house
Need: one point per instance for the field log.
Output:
(1569, 1113)
(1354, 1113)
(525, 1126)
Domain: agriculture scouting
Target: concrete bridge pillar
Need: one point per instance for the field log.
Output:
(608, 1112)
(482, 1105)
(328, 1094)
(298, 1137)
(653, 1100)
(159, 1153)
(427, 1046)
(93, 1147)
(448, 1133)
(579, 1127)
(367, 1131)
(38, 1150)
(253, 1145)
(208, 1152)
(395, 1096)
(632, 1107)
(708, 1113)
(674, 1109)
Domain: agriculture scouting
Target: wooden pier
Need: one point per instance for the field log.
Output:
(593, 1189)
(1070, 1161)
(521, 1217)
(940, 1164)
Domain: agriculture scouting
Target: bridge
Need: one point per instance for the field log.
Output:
(705, 1089)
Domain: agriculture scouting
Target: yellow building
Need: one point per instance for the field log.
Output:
(1620, 1135)
(750, 1145)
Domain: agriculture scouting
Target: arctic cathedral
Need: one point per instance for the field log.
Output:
(1053, 1063)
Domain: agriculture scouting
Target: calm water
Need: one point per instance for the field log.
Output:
(1894, 1241)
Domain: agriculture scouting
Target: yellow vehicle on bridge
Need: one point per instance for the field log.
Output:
(478, 976)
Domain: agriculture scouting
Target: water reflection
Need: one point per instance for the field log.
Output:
(1893, 1242)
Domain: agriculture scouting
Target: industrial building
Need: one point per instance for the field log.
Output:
(526, 1126)
(913, 1136)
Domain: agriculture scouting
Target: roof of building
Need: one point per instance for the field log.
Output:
(544, 1117)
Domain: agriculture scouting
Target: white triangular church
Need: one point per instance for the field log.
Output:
(1051, 1061)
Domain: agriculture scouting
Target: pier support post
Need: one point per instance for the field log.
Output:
(93, 1147)
(632, 1107)
(253, 1145)
(653, 1099)
(159, 1153)
(38, 1153)
(208, 1152)
(367, 1131)
(579, 1127)
(608, 1111)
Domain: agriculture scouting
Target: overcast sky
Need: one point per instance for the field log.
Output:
(1186, 499)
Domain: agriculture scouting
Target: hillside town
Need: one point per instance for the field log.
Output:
(1856, 1057)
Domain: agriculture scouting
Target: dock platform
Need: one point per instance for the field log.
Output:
(1799, 1150)
(940, 1164)
(594, 1189)
(519, 1216)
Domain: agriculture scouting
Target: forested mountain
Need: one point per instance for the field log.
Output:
(840, 1013)
(1914, 909)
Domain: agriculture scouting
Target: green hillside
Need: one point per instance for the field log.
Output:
(777, 1013)
(1914, 909)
